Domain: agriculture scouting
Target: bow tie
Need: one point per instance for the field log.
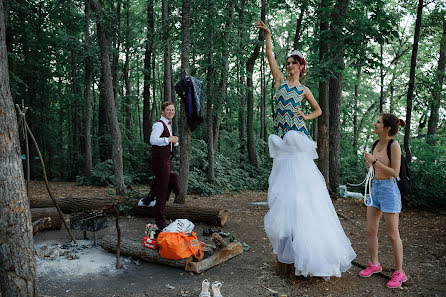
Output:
(170, 123)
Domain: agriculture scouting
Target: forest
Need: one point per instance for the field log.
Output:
(93, 75)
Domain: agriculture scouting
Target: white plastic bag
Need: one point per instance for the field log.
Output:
(180, 225)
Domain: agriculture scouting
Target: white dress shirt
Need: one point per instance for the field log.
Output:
(157, 130)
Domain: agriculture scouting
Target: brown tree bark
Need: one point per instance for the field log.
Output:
(17, 264)
(222, 86)
(355, 109)
(381, 75)
(146, 121)
(335, 92)
(297, 34)
(211, 216)
(323, 120)
(135, 249)
(115, 55)
(242, 127)
(111, 106)
(413, 65)
(87, 94)
(126, 74)
(437, 92)
(249, 91)
(70, 203)
(209, 97)
(185, 133)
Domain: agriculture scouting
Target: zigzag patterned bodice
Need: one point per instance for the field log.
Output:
(287, 99)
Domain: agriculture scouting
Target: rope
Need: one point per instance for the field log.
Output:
(368, 185)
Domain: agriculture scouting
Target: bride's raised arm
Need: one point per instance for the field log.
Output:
(277, 75)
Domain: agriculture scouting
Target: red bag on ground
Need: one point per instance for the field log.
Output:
(175, 246)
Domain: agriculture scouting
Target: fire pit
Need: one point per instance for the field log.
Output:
(93, 222)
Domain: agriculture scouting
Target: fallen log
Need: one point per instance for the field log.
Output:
(70, 203)
(211, 216)
(50, 212)
(41, 224)
(135, 249)
(223, 253)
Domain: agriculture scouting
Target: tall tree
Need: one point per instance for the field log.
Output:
(437, 92)
(147, 123)
(87, 93)
(222, 85)
(185, 132)
(249, 90)
(126, 74)
(413, 65)
(335, 91)
(209, 97)
(323, 120)
(241, 74)
(17, 264)
(111, 106)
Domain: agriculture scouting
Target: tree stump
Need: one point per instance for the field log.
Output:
(285, 270)
(211, 216)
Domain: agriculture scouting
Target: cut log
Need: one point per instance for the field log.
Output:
(211, 216)
(41, 224)
(223, 253)
(135, 249)
(70, 203)
(50, 212)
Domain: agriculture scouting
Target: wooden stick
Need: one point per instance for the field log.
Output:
(118, 245)
(48, 186)
(40, 224)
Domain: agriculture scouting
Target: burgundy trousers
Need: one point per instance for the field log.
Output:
(165, 182)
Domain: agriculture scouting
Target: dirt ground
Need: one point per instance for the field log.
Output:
(253, 273)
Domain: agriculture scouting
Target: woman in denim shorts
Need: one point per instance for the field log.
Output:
(386, 198)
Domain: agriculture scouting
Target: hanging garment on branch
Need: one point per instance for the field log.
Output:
(190, 91)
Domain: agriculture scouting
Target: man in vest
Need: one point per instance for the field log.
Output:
(165, 182)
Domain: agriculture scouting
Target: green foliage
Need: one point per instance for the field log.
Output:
(428, 174)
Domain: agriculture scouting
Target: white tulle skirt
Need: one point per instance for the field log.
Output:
(301, 223)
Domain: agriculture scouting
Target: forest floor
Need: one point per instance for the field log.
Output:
(252, 273)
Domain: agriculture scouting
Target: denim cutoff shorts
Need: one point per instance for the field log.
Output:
(386, 195)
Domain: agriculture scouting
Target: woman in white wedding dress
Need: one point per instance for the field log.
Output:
(301, 223)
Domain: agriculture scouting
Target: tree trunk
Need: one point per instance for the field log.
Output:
(335, 93)
(303, 7)
(209, 97)
(413, 65)
(249, 91)
(355, 109)
(242, 127)
(127, 101)
(70, 203)
(103, 126)
(17, 264)
(135, 249)
(381, 75)
(323, 120)
(211, 216)
(111, 106)
(222, 86)
(74, 152)
(437, 92)
(87, 93)
(147, 123)
(185, 132)
(115, 55)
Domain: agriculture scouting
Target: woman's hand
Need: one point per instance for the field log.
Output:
(261, 25)
(300, 113)
(369, 158)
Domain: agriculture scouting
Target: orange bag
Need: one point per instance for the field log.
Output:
(175, 246)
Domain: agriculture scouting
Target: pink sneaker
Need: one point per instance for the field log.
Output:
(370, 269)
(397, 279)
